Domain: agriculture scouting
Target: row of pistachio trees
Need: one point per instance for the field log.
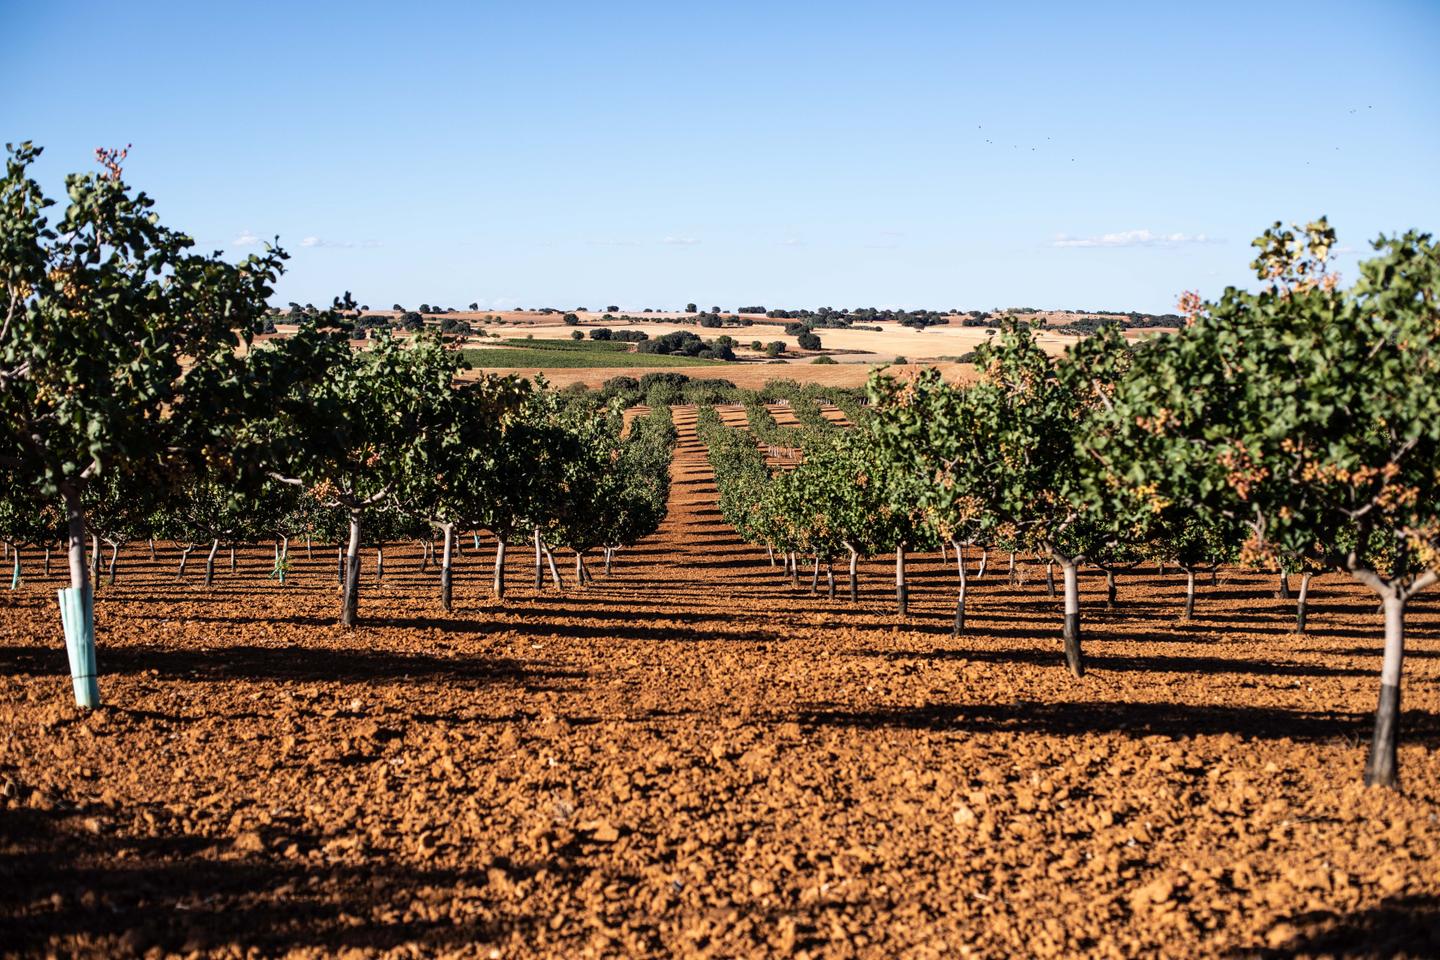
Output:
(489, 454)
(832, 505)
(1309, 414)
(1297, 426)
(134, 401)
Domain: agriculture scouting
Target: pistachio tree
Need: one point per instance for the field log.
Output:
(922, 428)
(350, 438)
(25, 521)
(113, 328)
(458, 458)
(808, 508)
(1309, 413)
(1025, 413)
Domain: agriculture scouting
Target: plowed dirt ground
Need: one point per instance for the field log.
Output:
(694, 758)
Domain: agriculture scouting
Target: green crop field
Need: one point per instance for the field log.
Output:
(572, 346)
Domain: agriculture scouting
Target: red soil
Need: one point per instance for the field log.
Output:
(692, 758)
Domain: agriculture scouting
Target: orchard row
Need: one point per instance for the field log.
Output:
(1297, 427)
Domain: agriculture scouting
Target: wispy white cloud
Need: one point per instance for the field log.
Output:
(885, 240)
(680, 241)
(612, 242)
(792, 242)
(245, 239)
(313, 241)
(1132, 238)
(497, 303)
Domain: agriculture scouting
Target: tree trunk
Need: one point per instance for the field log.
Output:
(152, 549)
(1380, 770)
(210, 563)
(829, 580)
(425, 547)
(1109, 588)
(75, 544)
(1160, 568)
(610, 552)
(232, 556)
(15, 574)
(185, 552)
(902, 596)
(854, 586)
(445, 569)
(1215, 576)
(579, 571)
(815, 579)
(77, 609)
(1189, 594)
(959, 597)
(1010, 573)
(1071, 633)
(379, 563)
(984, 561)
(340, 565)
(47, 559)
(498, 587)
(539, 564)
(94, 561)
(110, 567)
(554, 573)
(1282, 587)
(350, 601)
(944, 558)
(794, 571)
(1050, 578)
(769, 549)
(284, 560)
(1302, 601)
(309, 548)
(475, 536)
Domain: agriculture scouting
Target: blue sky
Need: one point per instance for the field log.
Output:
(1100, 155)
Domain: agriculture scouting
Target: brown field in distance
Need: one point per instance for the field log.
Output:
(855, 352)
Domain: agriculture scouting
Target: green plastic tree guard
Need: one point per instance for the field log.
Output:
(77, 614)
(15, 577)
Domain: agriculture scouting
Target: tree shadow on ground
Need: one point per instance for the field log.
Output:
(289, 662)
(1174, 720)
(1158, 663)
(1398, 927)
(187, 894)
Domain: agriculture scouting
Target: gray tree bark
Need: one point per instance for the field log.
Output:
(350, 602)
(210, 562)
(902, 594)
(446, 571)
(1302, 602)
(959, 626)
